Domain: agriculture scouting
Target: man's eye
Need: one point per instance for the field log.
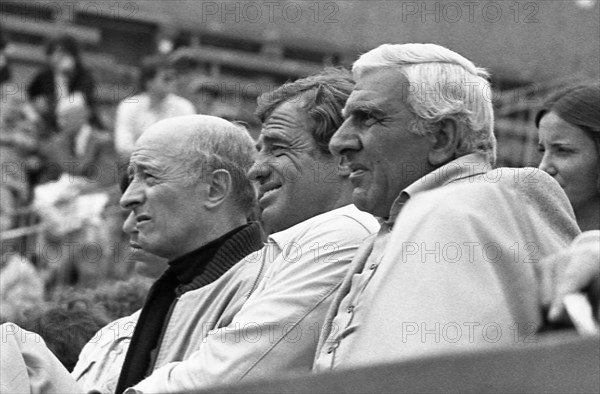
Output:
(277, 150)
(565, 150)
(366, 118)
(150, 179)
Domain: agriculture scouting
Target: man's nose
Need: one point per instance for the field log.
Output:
(134, 196)
(344, 140)
(259, 170)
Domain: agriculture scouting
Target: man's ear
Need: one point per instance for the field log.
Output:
(445, 142)
(219, 187)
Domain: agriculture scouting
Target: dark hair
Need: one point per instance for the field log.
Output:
(322, 95)
(67, 44)
(80, 80)
(66, 331)
(578, 105)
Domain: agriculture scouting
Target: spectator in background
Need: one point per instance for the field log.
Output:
(144, 263)
(82, 148)
(18, 150)
(569, 138)
(65, 331)
(155, 102)
(63, 76)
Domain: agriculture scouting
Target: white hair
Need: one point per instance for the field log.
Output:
(441, 84)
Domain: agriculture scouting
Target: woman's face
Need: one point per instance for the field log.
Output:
(571, 157)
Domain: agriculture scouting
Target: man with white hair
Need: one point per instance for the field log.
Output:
(454, 263)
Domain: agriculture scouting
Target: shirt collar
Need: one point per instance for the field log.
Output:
(284, 237)
(464, 167)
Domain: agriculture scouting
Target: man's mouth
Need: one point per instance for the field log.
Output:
(142, 218)
(356, 170)
(267, 191)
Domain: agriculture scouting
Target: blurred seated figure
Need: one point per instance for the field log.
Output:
(116, 299)
(18, 149)
(65, 331)
(82, 163)
(21, 286)
(569, 137)
(155, 102)
(82, 148)
(63, 76)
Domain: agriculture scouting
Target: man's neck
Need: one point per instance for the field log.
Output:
(214, 229)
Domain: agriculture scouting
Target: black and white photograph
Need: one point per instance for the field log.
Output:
(299, 196)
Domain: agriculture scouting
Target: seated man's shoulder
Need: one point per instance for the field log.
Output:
(347, 220)
(505, 183)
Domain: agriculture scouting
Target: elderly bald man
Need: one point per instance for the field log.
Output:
(189, 200)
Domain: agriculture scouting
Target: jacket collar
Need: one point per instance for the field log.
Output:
(219, 256)
(464, 167)
(284, 237)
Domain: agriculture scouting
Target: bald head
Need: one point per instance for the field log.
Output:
(175, 132)
(187, 177)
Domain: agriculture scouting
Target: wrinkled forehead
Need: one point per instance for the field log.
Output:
(380, 85)
(155, 150)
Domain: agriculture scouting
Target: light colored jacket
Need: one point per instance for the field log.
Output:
(458, 272)
(195, 313)
(276, 330)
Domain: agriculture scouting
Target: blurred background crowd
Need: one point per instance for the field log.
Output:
(81, 81)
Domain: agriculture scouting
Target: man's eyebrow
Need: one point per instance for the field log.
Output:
(272, 136)
(141, 166)
(360, 106)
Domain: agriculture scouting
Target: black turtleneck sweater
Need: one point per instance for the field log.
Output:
(188, 272)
